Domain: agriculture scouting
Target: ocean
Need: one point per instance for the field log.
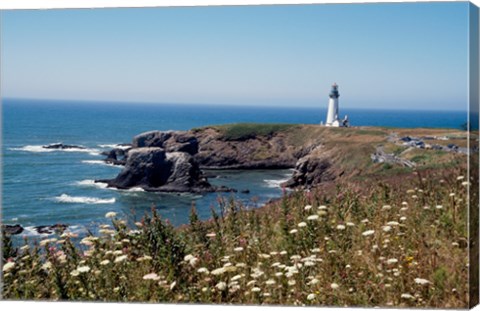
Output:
(45, 187)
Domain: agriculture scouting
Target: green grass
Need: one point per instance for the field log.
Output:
(243, 131)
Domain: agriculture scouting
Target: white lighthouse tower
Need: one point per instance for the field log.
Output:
(332, 113)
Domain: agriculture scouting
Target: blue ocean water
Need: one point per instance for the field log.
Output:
(44, 188)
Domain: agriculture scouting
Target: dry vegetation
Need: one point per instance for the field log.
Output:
(396, 242)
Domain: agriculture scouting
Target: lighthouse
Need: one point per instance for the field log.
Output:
(332, 113)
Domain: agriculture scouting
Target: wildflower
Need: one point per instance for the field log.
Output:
(386, 207)
(368, 232)
(270, 282)
(104, 262)
(341, 227)
(236, 277)
(203, 270)
(308, 207)
(465, 183)
(256, 289)
(439, 207)
(264, 256)
(221, 286)
(403, 218)
(422, 281)
(83, 269)
(315, 250)
(172, 286)
(334, 286)
(309, 263)
(188, 257)
(283, 252)
(392, 223)
(278, 274)
(311, 297)
(407, 296)
(291, 282)
(110, 215)
(460, 177)
(322, 213)
(391, 261)
(293, 231)
(218, 271)
(251, 282)
(47, 265)
(322, 207)
(44, 242)
(75, 273)
(211, 235)
(313, 282)
(151, 276)
(295, 257)
(144, 258)
(350, 224)
(452, 194)
(266, 294)
(404, 203)
(238, 249)
(386, 228)
(312, 217)
(8, 266)
(25, 248)
(273, 253)
(410, 191)
(364, 221)
(120, 258)
(240, 265)
(302, 224)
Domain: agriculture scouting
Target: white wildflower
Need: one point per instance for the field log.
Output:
(293, 231)
(302, 224)
(238, 249)
(8, 266)
(312, 217)
(311, 297)
(368, 232)
(203, 270)
(386, 207)
(308, 207)
(422, 281)
(341, 227)
(120, 258)
(221, 286)
(391, 261)
(110, 215)
(151, 276)
(83, 269)
(218, 271)
(334, 286)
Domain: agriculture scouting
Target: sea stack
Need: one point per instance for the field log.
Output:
(332, 113)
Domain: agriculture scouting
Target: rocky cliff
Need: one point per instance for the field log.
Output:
(172, 161)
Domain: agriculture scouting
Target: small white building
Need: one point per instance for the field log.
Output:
(332, 113)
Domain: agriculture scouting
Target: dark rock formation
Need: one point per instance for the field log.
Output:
(311, 170)
(153, 169)
(171, 141)
(12, 229)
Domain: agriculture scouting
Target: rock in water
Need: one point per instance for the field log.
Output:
(171, 141)
(151, 139)
(145, 167)
(152, 169)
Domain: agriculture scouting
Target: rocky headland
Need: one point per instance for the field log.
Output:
(174, 161)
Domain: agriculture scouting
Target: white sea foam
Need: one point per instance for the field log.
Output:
(113, 146)
(41, 148)
(92, 183)
(65, 198)
(274, 183)
(99, 162)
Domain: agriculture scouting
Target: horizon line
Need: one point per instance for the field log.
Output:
(246, 105)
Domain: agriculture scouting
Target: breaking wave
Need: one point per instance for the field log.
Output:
(113, 146)
(92, 183)
(41, 148)
(65, 198)
(99, 162)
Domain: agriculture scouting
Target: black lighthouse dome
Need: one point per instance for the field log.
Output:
(334, 92)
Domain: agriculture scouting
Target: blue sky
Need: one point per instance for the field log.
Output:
(398, 56)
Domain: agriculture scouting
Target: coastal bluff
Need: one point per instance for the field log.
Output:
(175, 161)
